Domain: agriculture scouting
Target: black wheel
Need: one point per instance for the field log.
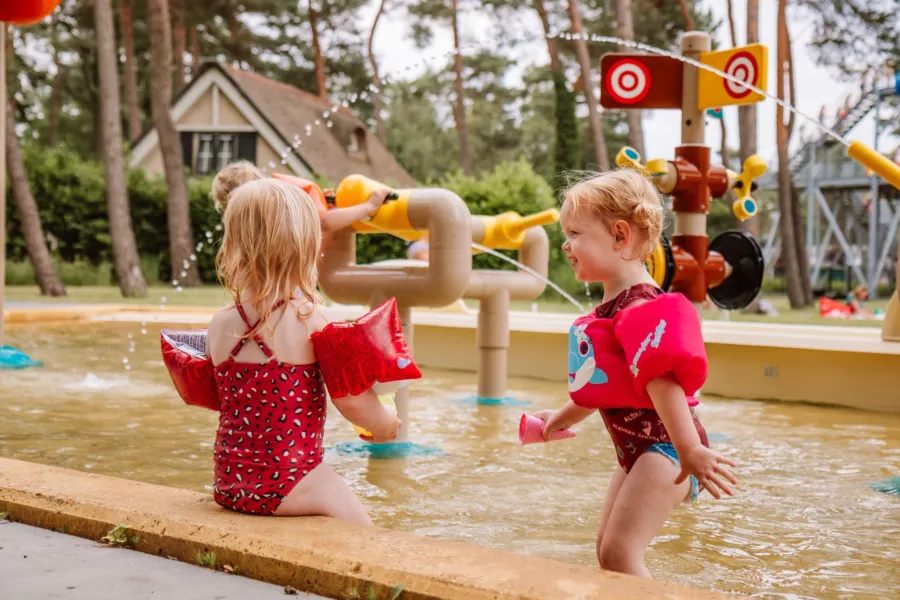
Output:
(744, 254)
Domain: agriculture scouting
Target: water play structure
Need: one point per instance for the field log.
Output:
(746, 361)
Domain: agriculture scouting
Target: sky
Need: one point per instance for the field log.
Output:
(815, 85)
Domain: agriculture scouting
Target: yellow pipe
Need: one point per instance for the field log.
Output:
(875, 161)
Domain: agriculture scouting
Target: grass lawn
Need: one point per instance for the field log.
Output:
(215, 296)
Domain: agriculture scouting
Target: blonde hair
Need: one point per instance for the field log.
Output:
(623, 194)
(230, 178)
(271, 243)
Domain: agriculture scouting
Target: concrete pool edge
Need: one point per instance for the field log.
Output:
(313, 554)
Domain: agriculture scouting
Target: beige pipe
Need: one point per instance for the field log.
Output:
(494, 289)
(446, 218)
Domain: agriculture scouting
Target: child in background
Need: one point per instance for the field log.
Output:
(269, 444)
(638, 359)
(238, 173)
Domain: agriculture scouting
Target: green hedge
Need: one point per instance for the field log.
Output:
(71, 197)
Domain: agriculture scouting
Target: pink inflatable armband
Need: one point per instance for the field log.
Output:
(356, 356)
(190, 367)
(663, 337)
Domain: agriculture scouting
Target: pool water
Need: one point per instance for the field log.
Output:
(804, 524)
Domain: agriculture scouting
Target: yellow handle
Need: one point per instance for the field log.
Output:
(629, 158)
(875, 161)
(745, 206)
(506, 231)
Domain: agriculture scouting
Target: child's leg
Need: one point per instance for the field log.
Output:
(615, 484)
(324, 493)
(641, 508)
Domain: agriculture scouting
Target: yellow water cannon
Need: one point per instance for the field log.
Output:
(392, 217)
(506, 231)
(745, 206)
(875, 162)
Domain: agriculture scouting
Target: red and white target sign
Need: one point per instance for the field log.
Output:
(628, 81)
(741, 66)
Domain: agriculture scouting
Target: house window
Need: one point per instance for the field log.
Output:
(206, 153)
(224, 151)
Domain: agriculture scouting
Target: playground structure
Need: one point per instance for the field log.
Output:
(846, 203)
(448, 275)
(729, 269)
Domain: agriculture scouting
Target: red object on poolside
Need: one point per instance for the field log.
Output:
(190, 367)
(833, 308)
(26, 12)
(355, 356)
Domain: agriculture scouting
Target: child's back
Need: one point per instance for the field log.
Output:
(269, 444)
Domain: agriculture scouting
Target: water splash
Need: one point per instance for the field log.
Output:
(531, 272)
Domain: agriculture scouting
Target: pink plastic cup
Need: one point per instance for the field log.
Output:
(531, 431)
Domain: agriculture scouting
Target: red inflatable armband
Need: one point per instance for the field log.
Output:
(311, 188)
(191, 368)
(663, 337)
(356, 356)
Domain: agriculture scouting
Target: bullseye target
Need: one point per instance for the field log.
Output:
(742, 66)
(628, 81)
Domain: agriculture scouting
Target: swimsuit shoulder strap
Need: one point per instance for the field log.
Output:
(259, 342)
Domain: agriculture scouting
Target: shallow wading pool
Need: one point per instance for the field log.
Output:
(804, 525)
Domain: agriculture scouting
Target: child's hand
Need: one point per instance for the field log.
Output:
(387, 429)
(709, 469)
(376, 199)
(552, 421)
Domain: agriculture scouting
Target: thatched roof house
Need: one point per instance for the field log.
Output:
(227, 114)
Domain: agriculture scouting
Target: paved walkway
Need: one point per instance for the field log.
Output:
(37, 564)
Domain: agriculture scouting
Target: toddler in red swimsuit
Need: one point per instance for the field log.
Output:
(637, 359)
(269, 444)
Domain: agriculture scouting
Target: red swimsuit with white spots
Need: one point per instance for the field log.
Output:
(271, 425)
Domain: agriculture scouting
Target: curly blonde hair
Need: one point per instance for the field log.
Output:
(230, 178)
(271, 243)
(622, 194)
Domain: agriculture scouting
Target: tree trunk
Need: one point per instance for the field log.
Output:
(797, 213)
(379, 121)
(785, 200)
(552, 49)
(723, 148)
(625, 31)
(179, 215)
(686, 15)
(321, 83)
(53, 102)
(195, 53)
(601, 155)
(125, 253)
(731, 28)
(747, 113)
(126, 25)
(567, 148)
(29, 217)
(179, 44)
(459, 108)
